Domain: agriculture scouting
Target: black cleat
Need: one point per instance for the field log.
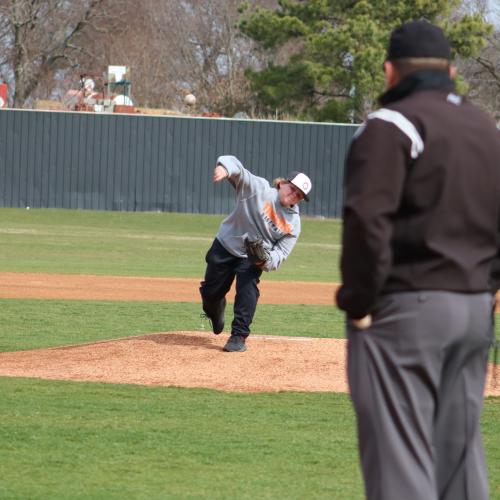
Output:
(215, 315)
(236, 343)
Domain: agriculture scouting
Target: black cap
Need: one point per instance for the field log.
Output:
(418, 39)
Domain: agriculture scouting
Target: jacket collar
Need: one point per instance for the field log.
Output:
(420, 80)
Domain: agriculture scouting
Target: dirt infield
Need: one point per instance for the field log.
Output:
(183, 359)
(81, 287)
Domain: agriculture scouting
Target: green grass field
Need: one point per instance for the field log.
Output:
(143, 244)
(66, 440)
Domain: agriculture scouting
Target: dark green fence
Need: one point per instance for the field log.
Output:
(151, 163)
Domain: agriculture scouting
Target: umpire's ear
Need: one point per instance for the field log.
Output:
(391, 75)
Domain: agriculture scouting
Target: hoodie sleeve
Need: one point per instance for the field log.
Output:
(245, 183)
(282, 249)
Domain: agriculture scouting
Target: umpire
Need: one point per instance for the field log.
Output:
(421, 236)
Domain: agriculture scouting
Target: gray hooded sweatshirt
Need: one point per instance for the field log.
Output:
(258, 213)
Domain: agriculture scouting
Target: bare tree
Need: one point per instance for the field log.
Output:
(482, 72)
(173, 48)
(38, 38)
(185, 46)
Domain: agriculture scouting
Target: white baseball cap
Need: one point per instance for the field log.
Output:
(300, 180)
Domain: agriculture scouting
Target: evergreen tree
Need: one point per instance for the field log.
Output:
(336, 49)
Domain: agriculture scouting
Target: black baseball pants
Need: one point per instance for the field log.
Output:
(222, 269)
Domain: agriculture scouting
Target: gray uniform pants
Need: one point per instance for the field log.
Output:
(417, 378)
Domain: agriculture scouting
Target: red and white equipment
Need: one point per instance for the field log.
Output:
(3, 95)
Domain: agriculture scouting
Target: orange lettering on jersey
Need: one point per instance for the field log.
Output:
(278, 221)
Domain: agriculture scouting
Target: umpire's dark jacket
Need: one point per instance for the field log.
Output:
(422, 197)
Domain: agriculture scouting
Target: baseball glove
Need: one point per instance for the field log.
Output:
(257, 254)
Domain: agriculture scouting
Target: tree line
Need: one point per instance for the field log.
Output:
(316, 60)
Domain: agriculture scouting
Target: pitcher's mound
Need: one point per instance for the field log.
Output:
(191, 359)
(194, 359)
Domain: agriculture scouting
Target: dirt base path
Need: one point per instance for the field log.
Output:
(84, 287)
(182, 359)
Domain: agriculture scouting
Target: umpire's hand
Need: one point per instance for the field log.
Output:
(363, 323)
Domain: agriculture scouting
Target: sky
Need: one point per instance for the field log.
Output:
(494, 7)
